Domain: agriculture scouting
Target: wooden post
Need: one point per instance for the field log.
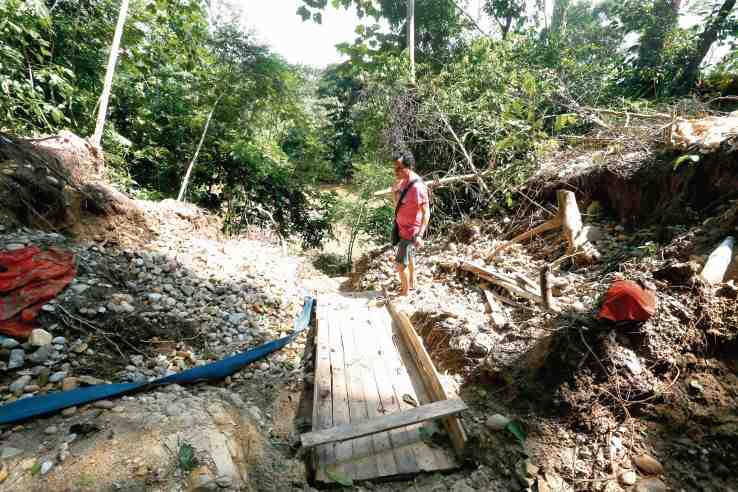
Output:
(112, 59)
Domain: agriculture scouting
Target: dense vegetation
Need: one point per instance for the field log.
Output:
(480, 100)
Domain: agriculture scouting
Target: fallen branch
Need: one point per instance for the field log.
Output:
(499, 318)
(436, 183)
(569, 219)
(546, 289)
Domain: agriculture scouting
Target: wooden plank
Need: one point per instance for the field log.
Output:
(322, 399)
(405, 394)
(429, 375)
(341, 411)
(385, 458)
(414, 415)
(364, 459)
(388, 403)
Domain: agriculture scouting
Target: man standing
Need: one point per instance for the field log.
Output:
(412, 215)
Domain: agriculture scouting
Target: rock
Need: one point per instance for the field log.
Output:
(10, 343)
(462, 486)
(104, 404)
(59, 341)
(8, 453)
(17, 358)
(650, 485)
(80, 288)
(628, 477)
(648, 465)
(154, 297)
(90, 381)
(201, 480)
(68, 412)
(70, 384)
(57, 376)
(41, 355)
(43, 376)
(224, 481)
(51, 430)
(497, 422)
(80, 347)
(3, 474)
(46, 466)
(19, 384)
(40, 338)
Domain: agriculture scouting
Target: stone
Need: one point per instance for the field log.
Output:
(650, 485)
(497, 422)
(41, 355)
(59, 341)
(154, 297)
(57, 376)
(90, 380)
(648, 465)
(70, 384)
(43, 376)
(68, 412)
(40, 338)
(104, 404)
(51, 430)
(224, 481)
(628, 477)
(19, 384)
(17, 358)
(46, 466)
(4, 470)
(80, 288)
(8, 453)
(10, 343)
(80, 347)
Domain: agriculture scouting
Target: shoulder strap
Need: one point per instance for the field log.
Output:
(403, 193)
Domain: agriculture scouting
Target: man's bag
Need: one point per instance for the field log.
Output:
(396, 228)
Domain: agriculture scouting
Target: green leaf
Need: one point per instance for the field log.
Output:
(516, 430)
(303, 12)
(339, 477)
(687, 157)
(36, 468)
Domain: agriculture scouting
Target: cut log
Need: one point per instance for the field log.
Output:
(431, 411)
(718, 262)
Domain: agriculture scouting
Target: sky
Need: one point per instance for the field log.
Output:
(276, 23)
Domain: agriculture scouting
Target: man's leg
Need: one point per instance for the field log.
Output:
(411, 267)
(401, 262)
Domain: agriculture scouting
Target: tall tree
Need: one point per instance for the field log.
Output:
(109, 73)
(714, 27)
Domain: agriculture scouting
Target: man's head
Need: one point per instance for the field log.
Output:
(404, 164)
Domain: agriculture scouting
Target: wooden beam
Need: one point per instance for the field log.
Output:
(422, 413)
(428, 373)
(499, 318)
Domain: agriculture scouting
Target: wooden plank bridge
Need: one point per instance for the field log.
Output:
(374, 384)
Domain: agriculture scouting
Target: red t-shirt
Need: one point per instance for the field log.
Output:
(410, 213)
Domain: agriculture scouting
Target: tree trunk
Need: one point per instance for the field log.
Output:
(186, 180)
(558, 20)
(411, 37)
(112, 59)
(653, 39)
(706, 40)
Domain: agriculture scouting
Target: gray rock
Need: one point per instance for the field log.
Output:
(154, 297)
(68, 412)
(224, 481)
(50, 430)
(14, 246)
(10, 343)
(628, 477)
(17, 357)
(19, 384)
(57, 377)
(59, 341)
(80, 288)
(497, 422)
(104, 404)
(41, 355)
(236, 318)
(8, 452)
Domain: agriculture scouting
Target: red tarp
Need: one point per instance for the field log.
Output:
(28, 278)
(627, 301)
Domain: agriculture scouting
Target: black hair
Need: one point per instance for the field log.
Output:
(406, 158)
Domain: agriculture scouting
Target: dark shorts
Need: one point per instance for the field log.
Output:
(405, 251)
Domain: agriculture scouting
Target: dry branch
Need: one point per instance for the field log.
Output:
(436, 183)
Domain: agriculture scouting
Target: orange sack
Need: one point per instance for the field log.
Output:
(29, 278)
(627, 301)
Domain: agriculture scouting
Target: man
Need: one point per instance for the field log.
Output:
(412, 218)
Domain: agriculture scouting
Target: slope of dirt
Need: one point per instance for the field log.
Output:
(593, 397)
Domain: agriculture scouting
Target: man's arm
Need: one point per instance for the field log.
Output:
(425, 218)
